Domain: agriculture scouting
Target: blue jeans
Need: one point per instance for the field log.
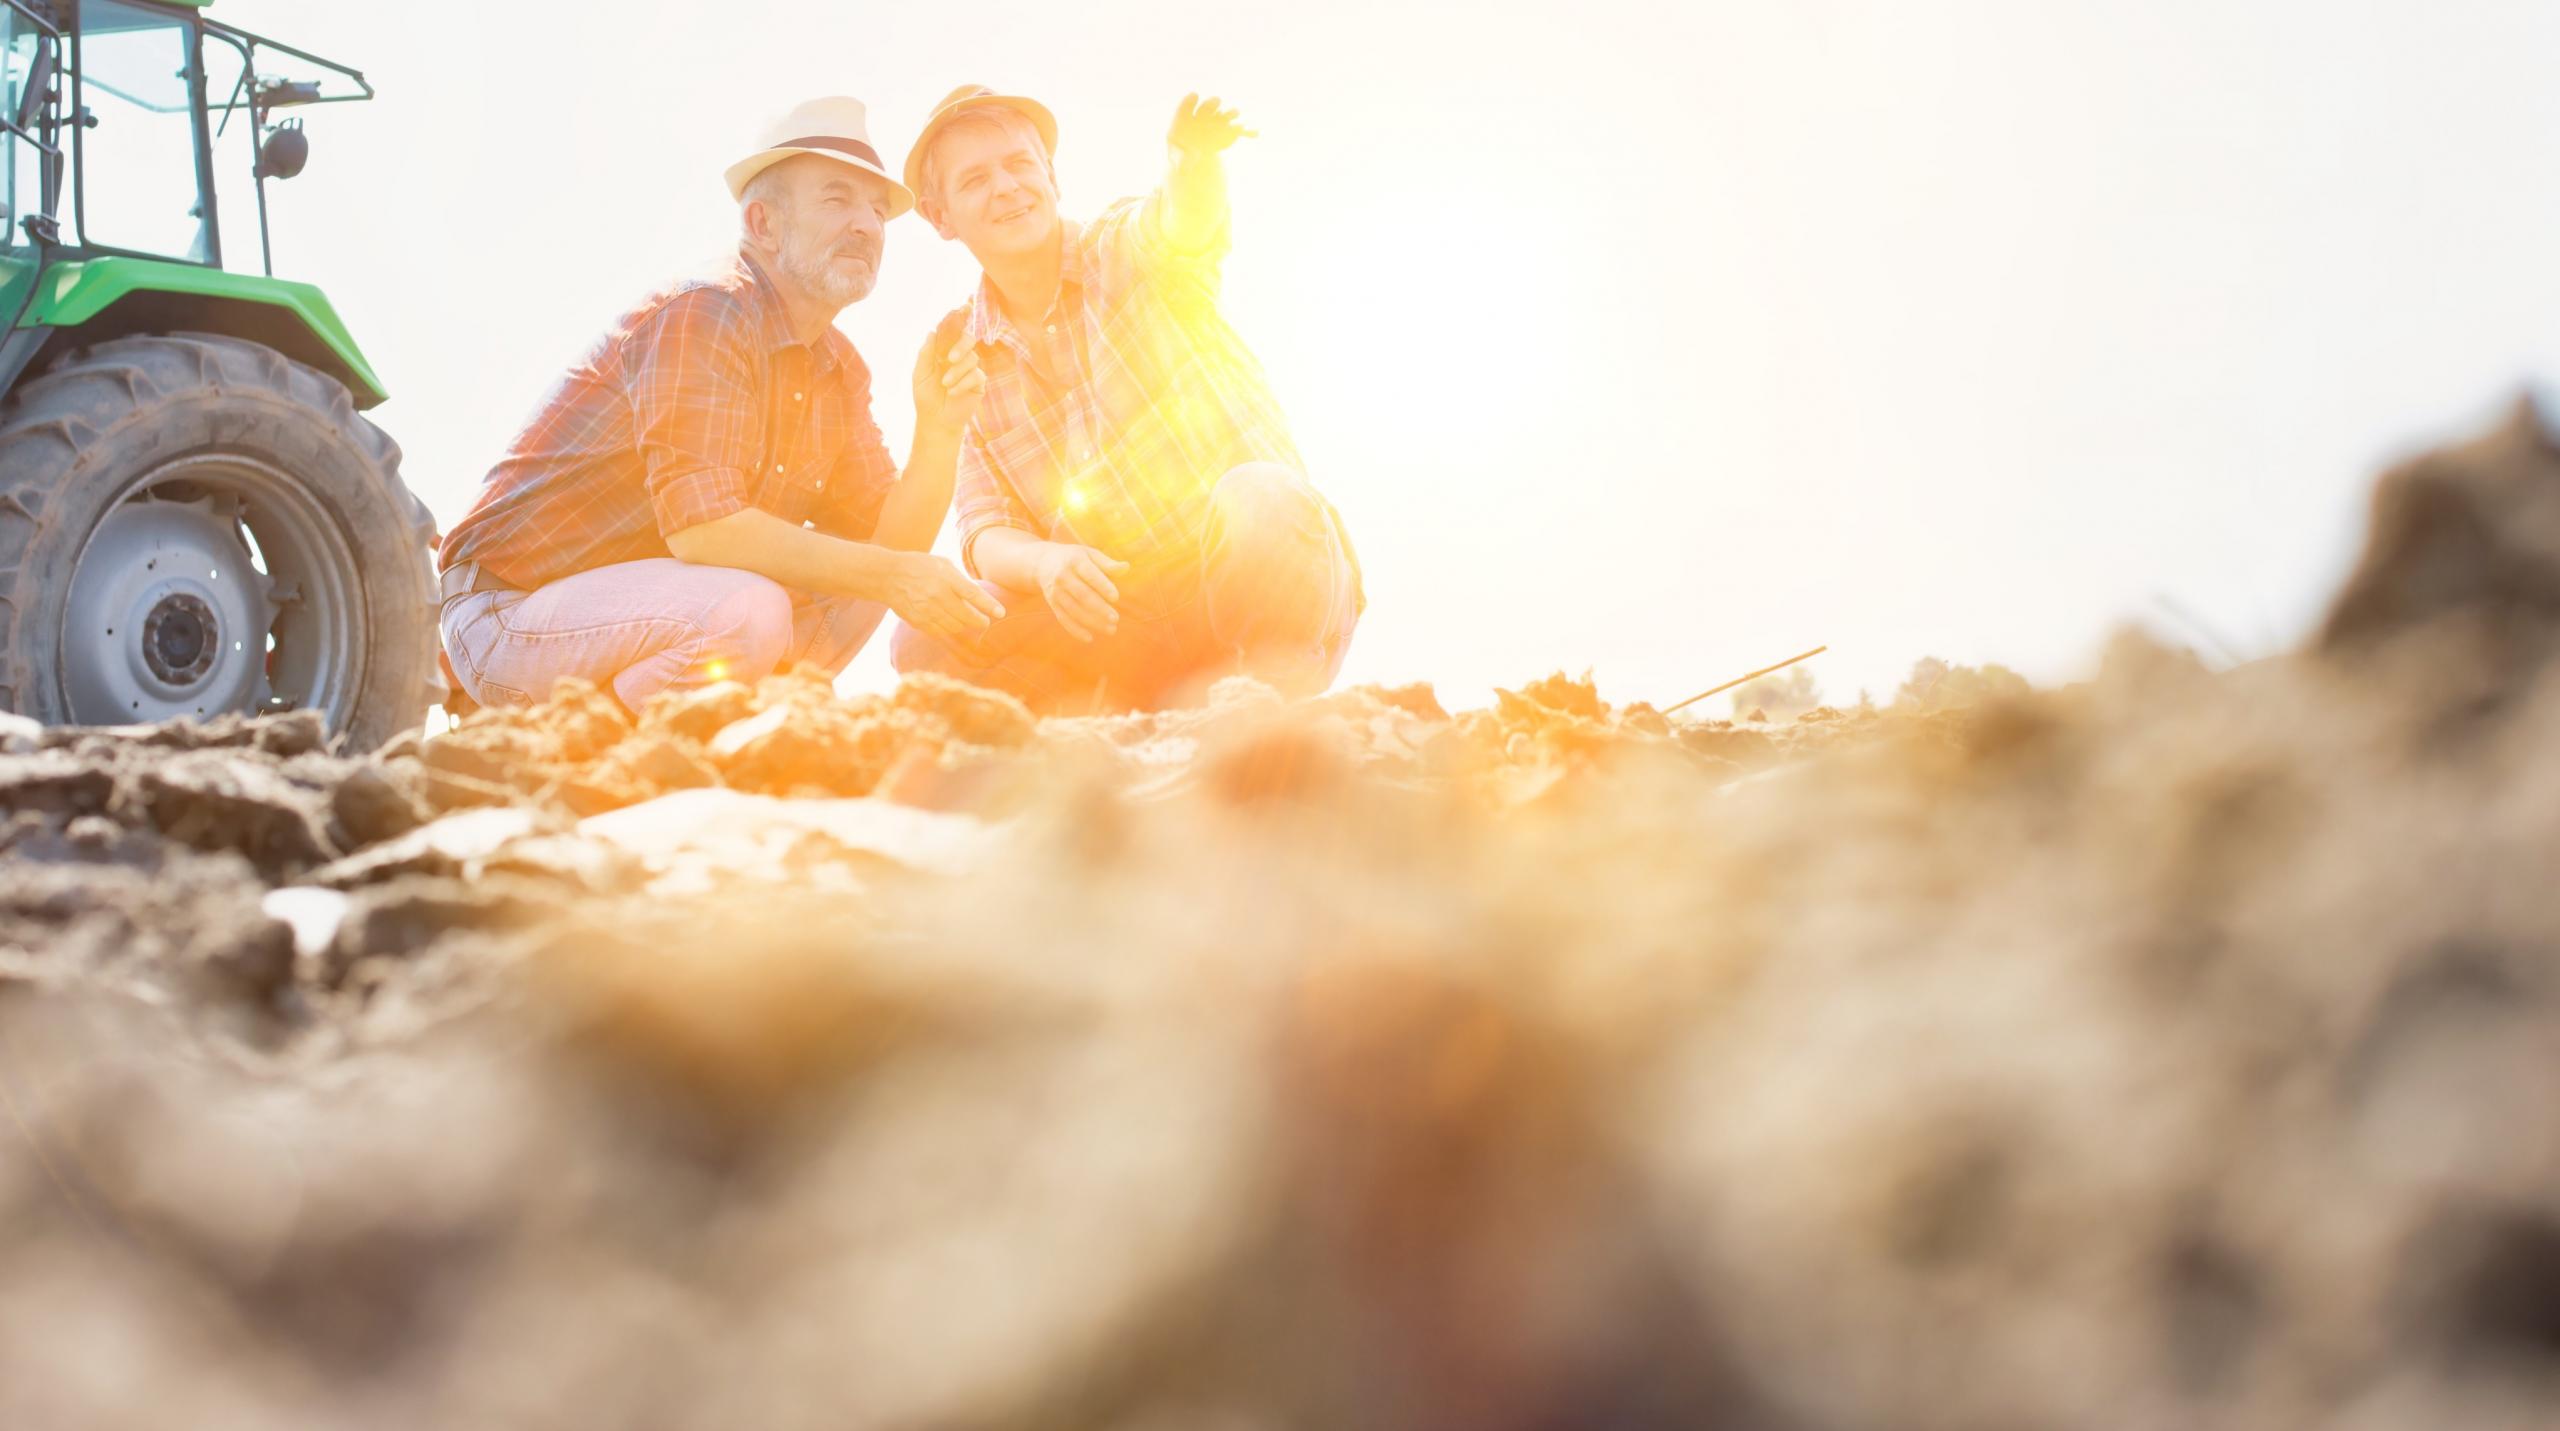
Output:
(637, 628)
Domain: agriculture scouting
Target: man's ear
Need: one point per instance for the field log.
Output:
(755, 220)
(930, 211)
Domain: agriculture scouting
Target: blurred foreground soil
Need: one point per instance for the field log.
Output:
(2177, 1049)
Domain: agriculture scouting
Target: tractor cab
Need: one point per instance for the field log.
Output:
(142, 131)
(152, 129)
(195, 517)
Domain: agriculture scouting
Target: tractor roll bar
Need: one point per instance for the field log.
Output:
(261, 100)
(256, 42)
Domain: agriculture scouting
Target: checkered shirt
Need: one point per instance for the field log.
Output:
(698, 403)
(1107, 422)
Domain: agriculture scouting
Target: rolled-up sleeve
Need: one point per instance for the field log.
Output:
(983, 500)
(694, 394)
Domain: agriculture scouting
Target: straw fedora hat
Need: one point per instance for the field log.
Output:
(831, 128)
(977, 96)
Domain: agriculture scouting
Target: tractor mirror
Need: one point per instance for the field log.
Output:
(39, 86)
(285, 151)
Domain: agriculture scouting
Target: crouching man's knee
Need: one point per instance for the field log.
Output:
(1266, 503)
(1274, 572)
(741, 636)
(749, 630)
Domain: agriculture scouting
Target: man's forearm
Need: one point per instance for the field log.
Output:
(912, 515)
(1195, 191)
(1005, 556)
(755, 540)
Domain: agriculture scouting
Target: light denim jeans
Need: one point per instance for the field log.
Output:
(641, 627)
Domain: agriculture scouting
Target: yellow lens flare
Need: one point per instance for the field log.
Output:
(1178, 425)
(716, 670)
(1121, 489)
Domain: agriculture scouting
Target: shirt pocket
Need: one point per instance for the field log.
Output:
(795, 487)
(798, 464)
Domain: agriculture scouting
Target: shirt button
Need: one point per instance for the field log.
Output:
(1053, 330)
(795, 397)
(820, 484)
(777, 467)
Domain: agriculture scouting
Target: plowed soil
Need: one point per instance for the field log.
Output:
(2173, 1049)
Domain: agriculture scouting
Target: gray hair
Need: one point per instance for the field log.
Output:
(994, 116)
(766, 188)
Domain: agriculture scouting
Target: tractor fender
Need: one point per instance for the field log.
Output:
(80, 302)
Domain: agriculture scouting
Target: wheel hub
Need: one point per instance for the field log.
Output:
(169, 615)
(179, 637)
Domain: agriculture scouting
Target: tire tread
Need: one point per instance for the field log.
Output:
(97, 391)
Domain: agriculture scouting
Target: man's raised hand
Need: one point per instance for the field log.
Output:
(1076, 582)
(949, 384)
(938, 599)
(1202, 127)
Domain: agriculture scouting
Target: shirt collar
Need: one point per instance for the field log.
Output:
(987, 320)
(773, 320)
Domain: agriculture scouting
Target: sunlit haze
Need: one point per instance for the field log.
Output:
(1660, 340)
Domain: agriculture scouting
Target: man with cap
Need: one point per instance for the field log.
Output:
(704, 494)
(1128, 486)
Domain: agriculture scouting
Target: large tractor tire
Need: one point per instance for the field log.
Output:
(194, 524)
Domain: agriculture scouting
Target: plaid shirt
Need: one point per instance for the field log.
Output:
(1108, 422)
(700, 402)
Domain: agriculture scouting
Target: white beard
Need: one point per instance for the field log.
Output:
(816, 274)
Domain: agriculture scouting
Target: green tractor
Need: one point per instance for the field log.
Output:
(195, 517)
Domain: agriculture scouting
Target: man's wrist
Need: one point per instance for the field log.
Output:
(1010, 559)
(873, 569)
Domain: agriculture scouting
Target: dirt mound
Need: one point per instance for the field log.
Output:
(581, 752)
(2456, 595)
(2160, 1051)
(2470, 533)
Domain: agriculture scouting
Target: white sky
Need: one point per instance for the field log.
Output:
(1662, 340)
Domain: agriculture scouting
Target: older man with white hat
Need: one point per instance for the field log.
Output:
(704, 495)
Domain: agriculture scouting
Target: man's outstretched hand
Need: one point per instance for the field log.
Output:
(1076, 582)
(935, 597)
(1203, 127)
